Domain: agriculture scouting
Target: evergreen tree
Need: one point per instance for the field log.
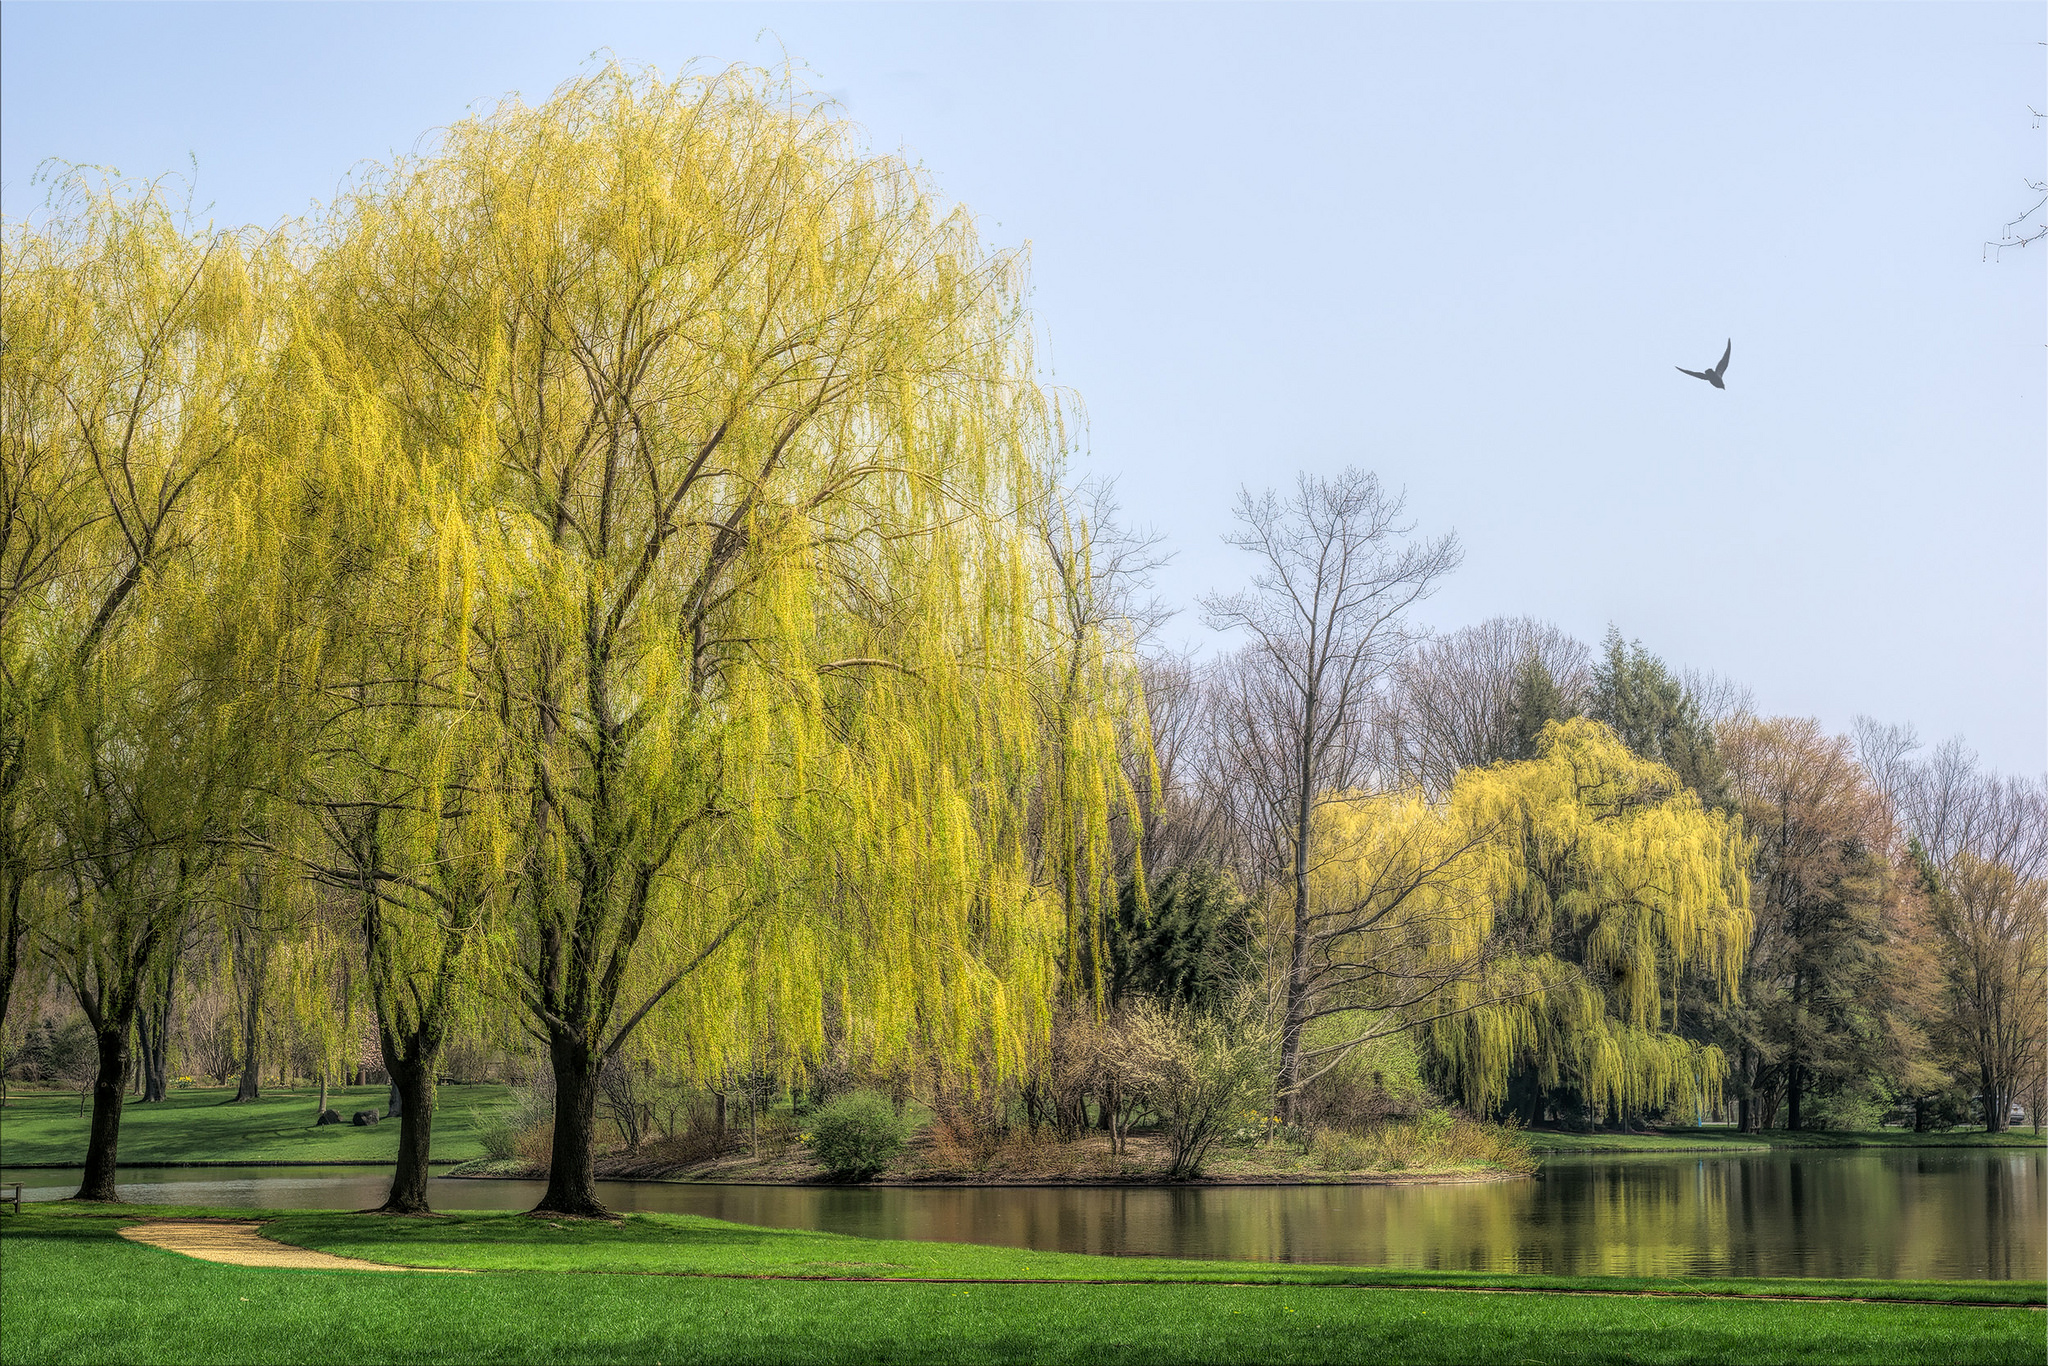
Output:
(1197, 940)
(1537, 701)
(1656, 716)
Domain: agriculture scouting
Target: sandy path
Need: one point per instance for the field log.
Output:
(243, 1245)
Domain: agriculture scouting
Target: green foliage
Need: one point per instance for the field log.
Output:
(857, 1134)
(1615, 883)
(51, 1052)
(1656, 716)
(1536, 702)
(1190, 946)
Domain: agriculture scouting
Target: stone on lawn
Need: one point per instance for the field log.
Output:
(364, 1119)
(329, 1117)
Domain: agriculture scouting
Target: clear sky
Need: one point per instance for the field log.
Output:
(1460, 244)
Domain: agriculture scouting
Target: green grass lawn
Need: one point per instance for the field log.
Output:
(1726, 1140)
(195, 1126)
(75, 1292)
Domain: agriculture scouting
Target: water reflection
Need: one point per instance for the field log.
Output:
(1941, 1214)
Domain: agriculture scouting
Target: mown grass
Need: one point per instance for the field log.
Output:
(1727, 1140)
(41, 1128)
(692, 1245)
(75, 1292)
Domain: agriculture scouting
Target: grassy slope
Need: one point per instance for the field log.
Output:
(1724, 1140)
(194, 1126)
(74, 1292)
(694, 1245)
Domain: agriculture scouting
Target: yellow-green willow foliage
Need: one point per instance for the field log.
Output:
(133, 354)
(126, 343)
(1093, 712)
(1622, 883)
(730, 427)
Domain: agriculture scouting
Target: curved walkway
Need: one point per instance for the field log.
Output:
(244, 1245)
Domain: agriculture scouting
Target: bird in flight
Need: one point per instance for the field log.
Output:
(1712, 376)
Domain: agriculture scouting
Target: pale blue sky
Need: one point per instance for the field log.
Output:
(1463, 245)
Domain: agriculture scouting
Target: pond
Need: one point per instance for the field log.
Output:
(1928, 1213)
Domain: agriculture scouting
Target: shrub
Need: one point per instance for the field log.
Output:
(1436, 1139)
(1197, 1073)
(857, 1134)
(524, 1129)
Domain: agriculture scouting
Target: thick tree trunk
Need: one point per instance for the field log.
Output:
(1919, 1114)
(1795, 1085)
(572, 1188)
(1997, 1103)
(13, 927)
(412, 1081)
(109, 1092)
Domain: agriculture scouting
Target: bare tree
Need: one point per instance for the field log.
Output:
(1182, 819)
(1984, 837)
(1326, 620)
(1452, 703)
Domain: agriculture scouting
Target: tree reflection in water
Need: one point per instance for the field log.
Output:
(1937, 1214)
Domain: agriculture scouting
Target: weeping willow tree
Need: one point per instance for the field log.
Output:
(1622, 884)
(1537, 915)
(396, 803)
(737, 445)
(132, 356)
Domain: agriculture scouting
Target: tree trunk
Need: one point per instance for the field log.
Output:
(412, 1082)
(572, 1189)
(153, 1032)
(1919, 1114)
(323, 1090)
(109, 1092)
(252, 1019)
(394, 1099)
(1997, 1103)
(1795, 1084)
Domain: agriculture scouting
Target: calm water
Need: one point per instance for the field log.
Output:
(1937, 1214)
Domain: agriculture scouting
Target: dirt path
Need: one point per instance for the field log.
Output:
(244, 1245)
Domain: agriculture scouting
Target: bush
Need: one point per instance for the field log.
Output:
(857, 1134)
(524, 1129)
(1197, 1073)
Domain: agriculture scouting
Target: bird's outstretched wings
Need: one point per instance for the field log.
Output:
(1696, 374)
(1722, 368)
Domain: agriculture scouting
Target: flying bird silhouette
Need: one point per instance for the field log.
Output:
(1712, 376)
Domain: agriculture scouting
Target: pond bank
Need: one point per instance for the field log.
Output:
(1943, 1215)
(1550, 1142)
(1085, 1162)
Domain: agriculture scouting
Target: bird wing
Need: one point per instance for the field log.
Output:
(1696, 374)
(1722, 368)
